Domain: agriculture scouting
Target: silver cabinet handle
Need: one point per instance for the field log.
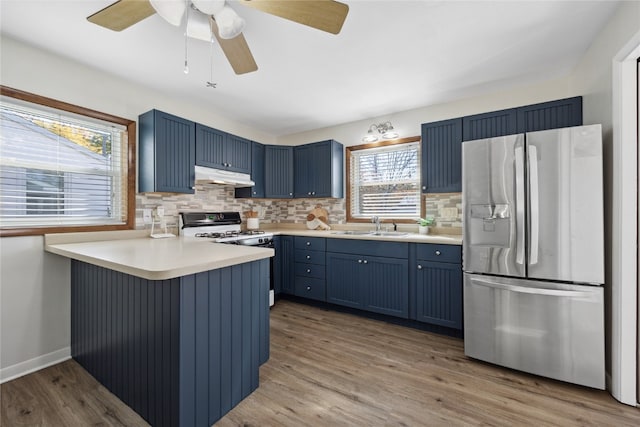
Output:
(438, 253)
(308, 256)
(308, 243)
(291, 194)
(313, 193)
(365, 262)
(359, 261)
(308, 288)
(308, 270)
(419, 267)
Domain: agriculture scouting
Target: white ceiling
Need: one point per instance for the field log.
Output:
(390, 56)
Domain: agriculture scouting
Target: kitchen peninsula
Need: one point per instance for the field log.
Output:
(176, 328)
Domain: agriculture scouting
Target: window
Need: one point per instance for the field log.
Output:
(384, 180)
(63, 167)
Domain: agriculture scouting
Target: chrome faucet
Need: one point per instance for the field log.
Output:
(376, 221)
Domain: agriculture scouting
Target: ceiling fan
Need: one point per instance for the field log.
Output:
(215, 17)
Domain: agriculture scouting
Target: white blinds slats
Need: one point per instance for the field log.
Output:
(58, 168)
(385, 181)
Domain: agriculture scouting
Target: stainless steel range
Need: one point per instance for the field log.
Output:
(225, 227)
(222, 227)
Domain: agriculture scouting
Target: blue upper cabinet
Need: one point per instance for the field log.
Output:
(220, 150)
(488, 125)
(550, 115)
(442, 156)
(166, 153)
(257, 173)
(319, 169)
(278, 163)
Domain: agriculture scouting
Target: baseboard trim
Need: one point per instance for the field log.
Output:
(28, 366)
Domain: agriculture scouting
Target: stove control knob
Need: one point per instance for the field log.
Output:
(259, 240)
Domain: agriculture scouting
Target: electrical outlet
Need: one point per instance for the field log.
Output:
(146, 216)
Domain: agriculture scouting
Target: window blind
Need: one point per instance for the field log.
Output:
(385, 182)
(60, 169)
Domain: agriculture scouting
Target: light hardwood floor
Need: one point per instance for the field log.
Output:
(330, 369)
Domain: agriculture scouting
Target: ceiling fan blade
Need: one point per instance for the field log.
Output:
(325, 15)
(122, 14)
(236, 50)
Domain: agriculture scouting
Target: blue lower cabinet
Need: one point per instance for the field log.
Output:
(180, 352)
(439, 293)
(371, 283)
(285, 273)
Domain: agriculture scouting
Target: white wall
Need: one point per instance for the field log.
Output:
(597, 78)
(34, 306)
(407, 123)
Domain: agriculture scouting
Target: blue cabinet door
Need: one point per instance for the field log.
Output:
(278, 164)
(319, 169)
(221, 150)
(550, 115)
(287, 272)
(166, 153)
(439, 293)
(257, 173)
(442, 156)
(303, 170)
(210, 147)
(385, 286)
(238, 154)
(371, 283)
(488, 125)
(343, 279)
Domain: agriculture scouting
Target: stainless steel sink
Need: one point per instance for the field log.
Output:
(388, 233)
(353, 232)
(369, 233)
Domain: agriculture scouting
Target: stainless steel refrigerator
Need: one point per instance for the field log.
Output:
(533, 253)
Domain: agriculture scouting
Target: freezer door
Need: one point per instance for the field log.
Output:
(566, 227)
(493, 195)
(553, 330)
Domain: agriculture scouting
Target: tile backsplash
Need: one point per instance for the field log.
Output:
(445, 208)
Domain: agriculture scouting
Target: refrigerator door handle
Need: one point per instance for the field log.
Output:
(519, 159)
(534, 205)
(534, 291)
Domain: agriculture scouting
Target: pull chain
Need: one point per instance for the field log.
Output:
(186, 65)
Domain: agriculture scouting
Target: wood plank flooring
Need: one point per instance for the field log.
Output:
(336, 369)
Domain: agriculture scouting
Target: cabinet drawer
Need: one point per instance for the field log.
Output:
(312, 257)
(439, 253)
(310, 270)
(312, 243)
(310, 288)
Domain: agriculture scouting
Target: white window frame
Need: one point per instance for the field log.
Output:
(353, 213)
(121, 171)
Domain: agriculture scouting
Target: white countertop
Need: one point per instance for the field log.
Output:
(441, 239)
(157, 259)
(133, 252)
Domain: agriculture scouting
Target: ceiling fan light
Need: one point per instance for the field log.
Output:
(198, 27)
(209, 7)
(171, 11)
(230, 25)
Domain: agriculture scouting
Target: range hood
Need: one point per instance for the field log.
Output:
(217, 176)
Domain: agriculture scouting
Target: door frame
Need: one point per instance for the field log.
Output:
(624, 256)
